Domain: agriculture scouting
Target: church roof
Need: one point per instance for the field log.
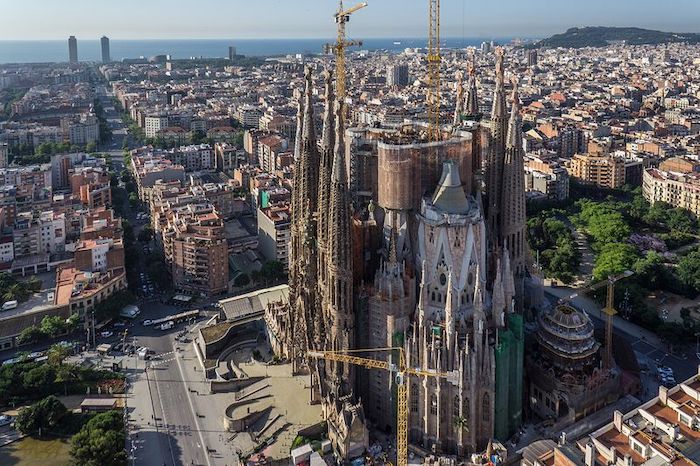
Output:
(449, 195)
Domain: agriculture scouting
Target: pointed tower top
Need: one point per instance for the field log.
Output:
(449, 195)
(514, 125)
(500, 54)
(328, 140)
(308, 124)
(393, 253)
(338, 175)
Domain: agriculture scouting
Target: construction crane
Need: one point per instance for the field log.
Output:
(608, 310)
(341, 18)
(401, 371)
(434, 59)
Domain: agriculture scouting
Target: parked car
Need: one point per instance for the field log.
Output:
(5, 420)
(106, 334)
(147, 322)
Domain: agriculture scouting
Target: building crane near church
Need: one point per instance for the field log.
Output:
(608, 310)
(341, 19)
(434, 59)
(401, 371)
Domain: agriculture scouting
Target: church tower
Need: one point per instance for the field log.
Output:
(494, 166)
(513, 218)
(307, 323)
(339, 284)
(324, 192)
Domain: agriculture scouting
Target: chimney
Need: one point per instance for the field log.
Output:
(663, 394)
(617, 420)
(562, 439)
(628, 460)
(590, 453)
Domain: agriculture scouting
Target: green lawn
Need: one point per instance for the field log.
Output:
(34, 452)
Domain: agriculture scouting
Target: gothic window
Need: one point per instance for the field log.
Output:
(470, 278)
(432, 296)
(486, 408)
(443, 279)
(414, 398)
(455, 407)
(465, 409)
(439, 297)
(433, 404)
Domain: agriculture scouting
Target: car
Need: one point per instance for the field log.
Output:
(147, 322)
(106, 334)
(5, 420)
(120, 324)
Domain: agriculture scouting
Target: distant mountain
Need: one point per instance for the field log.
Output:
(602, 36)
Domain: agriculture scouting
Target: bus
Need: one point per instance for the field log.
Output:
(177, 318)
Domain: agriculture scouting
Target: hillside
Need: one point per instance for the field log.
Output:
(602, 36)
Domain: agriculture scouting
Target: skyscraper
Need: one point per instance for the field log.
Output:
(397, 75)
(72, 49)
(104, 41)
(231, 52)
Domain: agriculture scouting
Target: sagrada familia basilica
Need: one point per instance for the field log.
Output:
(398, 241)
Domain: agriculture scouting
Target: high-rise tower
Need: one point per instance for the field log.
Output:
(72, 49)
(104, 42)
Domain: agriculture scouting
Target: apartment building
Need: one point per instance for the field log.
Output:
(149, 167)
(152, 124)
(40, 233)
(664, 430)
(274, 233)
(81, 130)
(92, 186)
(678, 189)
(603, 171)
(194, 245)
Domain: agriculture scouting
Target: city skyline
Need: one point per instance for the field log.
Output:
(311, 19)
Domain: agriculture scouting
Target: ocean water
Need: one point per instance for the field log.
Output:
(89, 50)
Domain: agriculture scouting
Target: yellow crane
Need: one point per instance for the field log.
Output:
(341, 18)
(434, 59)
(401, 371)
(608, 310)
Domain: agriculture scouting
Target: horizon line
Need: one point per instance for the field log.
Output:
(266, 38)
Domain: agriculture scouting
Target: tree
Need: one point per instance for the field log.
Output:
(30, 335)
(53, 326)
(146, 234)
(100, 442)
(689, 270)
(57, 354)
(614, 258)
(40, 417)
(90, 147)
(39, 378)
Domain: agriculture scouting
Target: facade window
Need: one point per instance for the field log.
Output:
(414, 398)
(433, 404)
(455, 407)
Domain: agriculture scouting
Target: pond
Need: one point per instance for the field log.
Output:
(36, 452)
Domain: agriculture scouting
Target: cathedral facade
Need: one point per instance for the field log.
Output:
(447, 286)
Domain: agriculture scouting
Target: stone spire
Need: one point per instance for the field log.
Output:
(459, 101)
(494, 168)
(309, 158)
(513, 194)
(339, 282)
(324, 177)
(471, 101)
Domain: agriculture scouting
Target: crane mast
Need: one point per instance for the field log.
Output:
(341, 18)
(434, 59)
(608, 310)
(401, 371)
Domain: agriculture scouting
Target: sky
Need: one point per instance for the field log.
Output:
(274, 19)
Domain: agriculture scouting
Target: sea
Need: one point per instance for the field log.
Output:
(42, 51)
